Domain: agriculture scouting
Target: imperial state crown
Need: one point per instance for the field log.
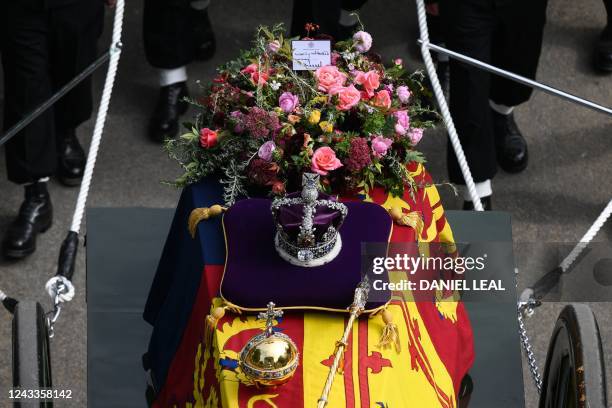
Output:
(307, 225)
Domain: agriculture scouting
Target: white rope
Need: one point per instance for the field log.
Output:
(59, 287)
(446, 116)
(587, 238)
(115, 52)
(54, 283)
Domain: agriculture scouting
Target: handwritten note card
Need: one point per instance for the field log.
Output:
(310, 54)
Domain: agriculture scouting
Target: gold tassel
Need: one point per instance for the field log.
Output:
(390, 334)
(211, 324)
(203, 213)
(412, 219)
(341, 362)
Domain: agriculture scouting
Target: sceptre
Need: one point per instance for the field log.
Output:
(358, 306)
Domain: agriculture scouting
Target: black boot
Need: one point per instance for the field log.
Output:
(603, 50)
(71, 160)
(35, 216)
(512, 154)
(170, 106)
(204, 35)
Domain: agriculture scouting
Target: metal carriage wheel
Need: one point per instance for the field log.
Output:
(574, 375)
(31, 352)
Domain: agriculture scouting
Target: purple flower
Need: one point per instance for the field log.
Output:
(288, 102)
(266, 150)
(359, 155)
(402, 123)
(236, 118)
(334, 58)
(415, 135)
(274, 46)
(380, 145)
(403, 93)
(260, 123)
(362, 41)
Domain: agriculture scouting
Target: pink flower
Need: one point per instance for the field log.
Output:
(362, 41)
(398, 61)
(402, 122)
(328, 77)
(369, 80)
(274, 46)
(415, 135)
(335, 56)
(249, 69)
(324, 160)
(403, 93)
(208, 138)
(236, 117)
(278, 188)
(288, 102)
(265, 150)
(348, 96)
(253, 71)
(382, 99)
(380, 145)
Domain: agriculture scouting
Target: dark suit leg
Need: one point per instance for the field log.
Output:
(470, 31)
(73, 38)
(169, 40)
(31, 154)
(517, 50)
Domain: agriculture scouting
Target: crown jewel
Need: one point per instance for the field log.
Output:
(269, 358)
(307, 227)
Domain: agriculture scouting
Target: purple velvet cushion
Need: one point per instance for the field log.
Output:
(255, 274)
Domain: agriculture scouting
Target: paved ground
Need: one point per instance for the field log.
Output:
(567, 184)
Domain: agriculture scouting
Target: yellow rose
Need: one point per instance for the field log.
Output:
(326, 126)
(314, 117)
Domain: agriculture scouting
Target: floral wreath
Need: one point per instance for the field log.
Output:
(261, 124)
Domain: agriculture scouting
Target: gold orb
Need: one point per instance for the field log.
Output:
(269, 359)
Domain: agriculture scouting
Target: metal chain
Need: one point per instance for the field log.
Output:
(527, 347)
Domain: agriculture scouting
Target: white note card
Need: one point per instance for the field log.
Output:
(309, 55)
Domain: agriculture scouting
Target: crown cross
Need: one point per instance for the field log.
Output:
(269, 316)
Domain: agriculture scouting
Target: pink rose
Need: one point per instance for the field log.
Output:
(369, 80)
(348, 96)
(415, 135)
(208, 138)
(362, 41)
(380, 145)
(288, 102)
(403, 93)
(324, 160)
(402, 122)
(265, 150)
(328, 77)
(382, 99)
